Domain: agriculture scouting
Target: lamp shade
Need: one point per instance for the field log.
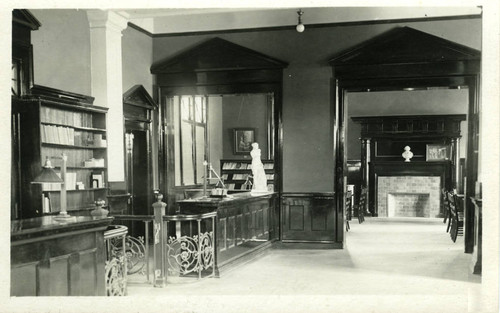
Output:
(48, 175)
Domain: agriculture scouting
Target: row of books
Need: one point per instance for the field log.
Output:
(76, 157)
(70, 118)
(70, 183)
(244, 166)
(80, 182)
(69, 136)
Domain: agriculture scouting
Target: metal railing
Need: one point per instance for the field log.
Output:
(175, 255)
(190, 254)
(137, 247)
(116, 260)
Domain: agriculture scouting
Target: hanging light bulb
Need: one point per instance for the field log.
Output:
(300, 27)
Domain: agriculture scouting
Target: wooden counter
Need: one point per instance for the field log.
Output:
(246, 224)
(51, 258)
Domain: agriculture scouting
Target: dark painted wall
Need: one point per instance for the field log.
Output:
(307, 85)
(137, 55)
(62, 60)
(244, 111)
(61, 50)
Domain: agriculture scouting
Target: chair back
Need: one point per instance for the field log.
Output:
(348, 205)
(362, 205)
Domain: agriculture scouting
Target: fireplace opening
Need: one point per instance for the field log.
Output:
(408, 205)
(409, 196)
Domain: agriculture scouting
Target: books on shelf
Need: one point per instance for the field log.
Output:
(94, 162)
(70, 183)
(244, 165)
(64, 117)
(69, 136)
(236, 172)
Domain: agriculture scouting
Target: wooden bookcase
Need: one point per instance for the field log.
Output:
(51, 122)
(235, 172)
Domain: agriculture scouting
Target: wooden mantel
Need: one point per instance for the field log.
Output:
(428, 126)
(383, 139)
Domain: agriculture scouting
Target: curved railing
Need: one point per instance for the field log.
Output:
(116, 261)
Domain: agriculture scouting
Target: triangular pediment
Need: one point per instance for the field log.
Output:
(24, 17)
(405, 45)
(138, 96)
(216, 54)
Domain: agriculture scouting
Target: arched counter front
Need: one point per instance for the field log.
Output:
(246, 224)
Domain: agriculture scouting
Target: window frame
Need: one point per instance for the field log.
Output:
(192, 121)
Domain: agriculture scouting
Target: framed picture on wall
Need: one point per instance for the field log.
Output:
(436, 152)
(243, 139)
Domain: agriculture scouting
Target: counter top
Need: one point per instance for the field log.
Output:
(48, 225)
(208, 204)
(229, 198)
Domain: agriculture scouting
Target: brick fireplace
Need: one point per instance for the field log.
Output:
(409, 183)
(409, 196)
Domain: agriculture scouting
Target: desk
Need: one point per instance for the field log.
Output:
(51, 258)
(246, 224)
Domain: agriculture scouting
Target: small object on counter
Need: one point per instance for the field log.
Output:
(218, 193)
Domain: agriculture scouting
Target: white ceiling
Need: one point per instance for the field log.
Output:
(165, 20)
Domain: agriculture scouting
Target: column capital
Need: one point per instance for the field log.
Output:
(106, 19)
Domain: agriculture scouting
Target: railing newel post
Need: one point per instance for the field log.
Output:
(159, 241)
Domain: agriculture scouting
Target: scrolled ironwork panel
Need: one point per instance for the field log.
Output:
(116, 279)
(187, 255)
(135, 252)
(207, 250)
(182, 255)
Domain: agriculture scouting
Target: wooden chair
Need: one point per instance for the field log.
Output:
(456, 205)
(362, 205)
(446, 210)
(348, 209)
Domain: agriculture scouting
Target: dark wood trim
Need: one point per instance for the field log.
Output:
(308, 26)
(422, 69)
(140, 29)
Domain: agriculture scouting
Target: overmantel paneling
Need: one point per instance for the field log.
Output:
(410, 126)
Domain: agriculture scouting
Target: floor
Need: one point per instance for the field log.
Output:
(390, 264)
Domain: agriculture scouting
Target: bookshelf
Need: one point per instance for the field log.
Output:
(235, 172)
(52, 122)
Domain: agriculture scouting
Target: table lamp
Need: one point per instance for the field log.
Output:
(48, 175)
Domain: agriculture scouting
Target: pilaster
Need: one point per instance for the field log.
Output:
(106, 71)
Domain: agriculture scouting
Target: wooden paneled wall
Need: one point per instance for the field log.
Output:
(310, 218)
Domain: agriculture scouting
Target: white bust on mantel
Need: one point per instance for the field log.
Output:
(407, 154)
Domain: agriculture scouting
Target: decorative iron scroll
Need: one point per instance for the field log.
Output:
(116, 279)
(190, 254)
(135, 252)
(116, 263)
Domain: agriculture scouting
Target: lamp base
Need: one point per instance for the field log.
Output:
(64, 217)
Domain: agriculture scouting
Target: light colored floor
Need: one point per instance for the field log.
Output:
(387, 261)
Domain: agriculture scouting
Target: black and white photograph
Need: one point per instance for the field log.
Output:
(250, 157)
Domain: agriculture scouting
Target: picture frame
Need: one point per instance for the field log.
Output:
(243, 139)
(437, 152)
